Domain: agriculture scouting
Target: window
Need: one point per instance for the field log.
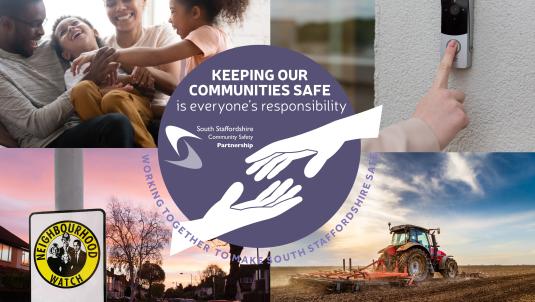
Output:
(5, 252)
(25, 258)
(399, 239)
(338, 34)
(420, 237)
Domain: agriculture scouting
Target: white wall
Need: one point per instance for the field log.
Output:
(500, 86)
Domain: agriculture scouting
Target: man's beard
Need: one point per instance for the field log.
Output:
(23, 48)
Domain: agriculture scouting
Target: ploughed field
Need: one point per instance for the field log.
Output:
(495, 283)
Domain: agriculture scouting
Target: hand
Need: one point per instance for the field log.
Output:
(102, 68)
(272, 202)
(142, 77)
(111, 73)
(272, 165)
(275, 157)
(86, 57)
(442, 108)
(321, 143)
(224, 216)
(120, 86)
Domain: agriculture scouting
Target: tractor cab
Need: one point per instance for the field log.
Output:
(404, 234)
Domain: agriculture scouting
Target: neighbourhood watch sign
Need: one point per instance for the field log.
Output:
(68, 255)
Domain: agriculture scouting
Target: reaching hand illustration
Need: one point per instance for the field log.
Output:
(321, 143)
(274, 195)
(226, 216)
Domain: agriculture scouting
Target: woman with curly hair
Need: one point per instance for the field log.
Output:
(127, 18)
(196, 23)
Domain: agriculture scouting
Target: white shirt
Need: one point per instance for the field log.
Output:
(71, 80)
(153, 36)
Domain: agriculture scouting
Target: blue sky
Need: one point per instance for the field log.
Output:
(321, 10)
(483, 203)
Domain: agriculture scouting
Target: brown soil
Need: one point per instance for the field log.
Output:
(501, 283)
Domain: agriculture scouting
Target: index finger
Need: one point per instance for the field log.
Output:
(107, 56)
(444, 69)
(102, 58)
(76, 65)
(261, 154)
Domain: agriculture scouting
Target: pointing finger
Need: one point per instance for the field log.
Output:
(444, 69)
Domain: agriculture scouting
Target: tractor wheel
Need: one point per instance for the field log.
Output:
(451, 270)
(417, 264)
(388, 263)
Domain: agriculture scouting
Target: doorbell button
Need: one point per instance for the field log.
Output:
(458, 44)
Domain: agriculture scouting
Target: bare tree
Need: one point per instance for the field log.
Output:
(134, 236)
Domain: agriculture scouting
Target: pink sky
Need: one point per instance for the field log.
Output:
(27, 185)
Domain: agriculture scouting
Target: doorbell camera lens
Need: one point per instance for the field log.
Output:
(455, 10)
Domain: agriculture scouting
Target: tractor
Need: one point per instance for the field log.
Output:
(414, 251)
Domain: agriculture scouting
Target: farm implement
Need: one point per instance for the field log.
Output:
(412, 256)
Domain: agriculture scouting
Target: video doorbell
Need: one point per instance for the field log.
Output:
(458, 25)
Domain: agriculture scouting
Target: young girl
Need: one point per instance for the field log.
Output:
(195, 22)
(73, 36)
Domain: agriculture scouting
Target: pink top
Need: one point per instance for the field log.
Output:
(210, 40)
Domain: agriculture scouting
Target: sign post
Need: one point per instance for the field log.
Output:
(68, 256)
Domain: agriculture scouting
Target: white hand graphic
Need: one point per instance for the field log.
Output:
(322, 143)
(274, 195)
(224, 217)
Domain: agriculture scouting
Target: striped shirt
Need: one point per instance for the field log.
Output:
(35, 107)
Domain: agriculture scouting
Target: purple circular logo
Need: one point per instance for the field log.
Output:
(243, 148)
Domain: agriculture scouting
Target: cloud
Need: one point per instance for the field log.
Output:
(9, 204)
(461, 169)
(368, 231)
(472, 236)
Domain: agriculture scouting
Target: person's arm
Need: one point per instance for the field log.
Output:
(145, 56)
(168, 76)
(152, 77)
(438, 118)
(412, 135)
(18, 110)
(5, 138)
(166, 79)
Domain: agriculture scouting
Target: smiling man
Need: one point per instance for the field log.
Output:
(35, 107)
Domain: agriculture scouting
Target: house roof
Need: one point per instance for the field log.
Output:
(115, 276)
(11, 239)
